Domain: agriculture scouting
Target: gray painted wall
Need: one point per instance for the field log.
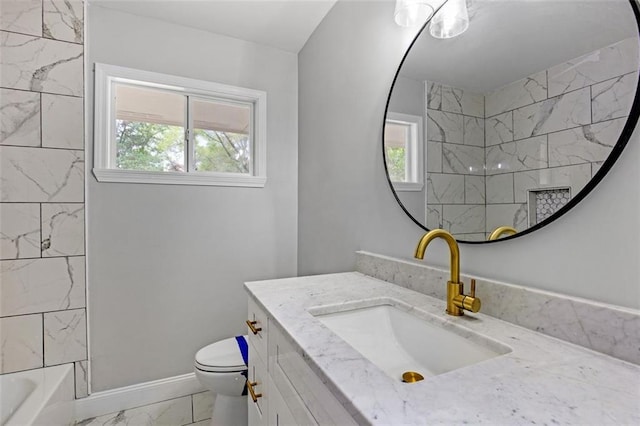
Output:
(345, 204)
(167, 262)
(408, 97)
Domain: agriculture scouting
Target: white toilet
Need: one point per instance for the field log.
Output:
(220, 367)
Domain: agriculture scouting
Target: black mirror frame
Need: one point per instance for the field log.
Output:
(625, 135)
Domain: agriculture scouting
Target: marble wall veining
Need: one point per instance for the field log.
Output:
(455, 161)
(190, 410)
(553, 129)
(604, 328)
(42, 225)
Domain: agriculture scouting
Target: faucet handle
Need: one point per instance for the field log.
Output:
(469, 301)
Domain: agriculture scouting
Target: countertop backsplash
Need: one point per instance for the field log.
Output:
(604, 328)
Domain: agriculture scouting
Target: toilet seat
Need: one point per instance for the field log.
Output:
(223, 356)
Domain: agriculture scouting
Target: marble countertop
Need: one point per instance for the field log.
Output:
(543, 380)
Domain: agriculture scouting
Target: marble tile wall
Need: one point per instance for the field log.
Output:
(555, 128)
(189, 410)
(42, 264)
(455, 160)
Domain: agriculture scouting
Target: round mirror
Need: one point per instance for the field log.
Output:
(513, 121)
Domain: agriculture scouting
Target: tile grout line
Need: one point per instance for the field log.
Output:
(193, 414)
(43, 342)
(17, 89)
(42, 37)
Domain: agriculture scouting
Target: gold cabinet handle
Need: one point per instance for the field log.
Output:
(253, 393)
(252, 326)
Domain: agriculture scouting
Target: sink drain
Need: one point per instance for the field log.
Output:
(411, 377)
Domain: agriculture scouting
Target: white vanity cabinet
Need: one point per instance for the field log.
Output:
(314, 376)
(289, 391)
(258, 383)
(260, 395)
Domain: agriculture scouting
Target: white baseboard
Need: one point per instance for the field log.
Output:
(114, 400)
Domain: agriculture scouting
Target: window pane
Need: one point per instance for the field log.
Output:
(396, 138)
(150, 127)
(222, 136)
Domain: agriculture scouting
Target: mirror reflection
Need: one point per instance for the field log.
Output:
(520, 112)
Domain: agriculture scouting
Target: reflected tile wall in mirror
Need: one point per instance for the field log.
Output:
(518, 94)
(591, 143)
(455, 161)
(499, 129)
(601, 65)
(551, 129)
(612, 98)
(580, 121)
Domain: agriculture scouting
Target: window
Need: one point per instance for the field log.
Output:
(156, 128)
(403, 147)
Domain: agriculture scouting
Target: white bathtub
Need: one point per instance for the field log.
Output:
(38, 397)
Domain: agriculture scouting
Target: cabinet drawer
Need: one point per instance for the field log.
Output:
(258, 340)
(257, 375)
(254, 416)
(297, 382)
(279, 412)
(289, 396)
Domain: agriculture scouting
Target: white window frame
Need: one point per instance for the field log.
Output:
(104, 128)
(415, 151)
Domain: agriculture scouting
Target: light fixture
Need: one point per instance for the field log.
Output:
(451, 20)
(410, 13)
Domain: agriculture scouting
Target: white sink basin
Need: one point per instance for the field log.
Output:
(397, 341)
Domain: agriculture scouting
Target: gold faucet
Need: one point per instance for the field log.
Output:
(502, 230)
(457, 301)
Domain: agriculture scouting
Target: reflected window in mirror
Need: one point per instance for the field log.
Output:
(404, 151)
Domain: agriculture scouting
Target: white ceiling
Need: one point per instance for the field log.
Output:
(284, 24)
(508, 40)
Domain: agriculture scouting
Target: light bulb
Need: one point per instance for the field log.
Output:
(410, 13)
(451, 20)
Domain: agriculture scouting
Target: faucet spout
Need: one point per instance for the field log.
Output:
(502, 230)
(454, 250)
(457, 301)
